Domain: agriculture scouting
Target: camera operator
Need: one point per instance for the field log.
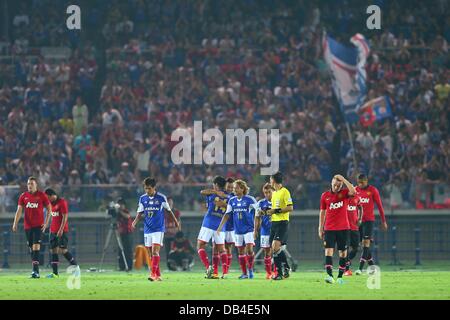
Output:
(171, 227)
(181, 253)
(124, 222)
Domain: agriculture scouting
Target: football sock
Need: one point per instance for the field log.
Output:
(230, 257)
(250, 260)
(224, 260)
(278, 261)
(158, 268)
(55, 262)
(216, 259)
(243, 263)
(155, 265)
(363, 259)
(70, 258)
(350, 257)
(203, 257)
(370, 259)
(283, 258)
(342, 262)
(268, 264)
(329, 265)
(35, 260)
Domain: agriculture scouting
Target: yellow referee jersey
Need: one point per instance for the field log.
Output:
(281, 199)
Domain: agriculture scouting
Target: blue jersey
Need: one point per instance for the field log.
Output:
(243, 212)
(152, 208)
(214, 215)
(266, 221)
(229, 226)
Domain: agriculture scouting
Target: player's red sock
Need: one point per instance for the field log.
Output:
(158, 268)
(243, 263)
(229, 258)
(224, 259)
(155, 265)
(268, 264)
(216, 259)
(203, 257)
(250, 260)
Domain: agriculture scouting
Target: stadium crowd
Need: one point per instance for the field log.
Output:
(233, 64)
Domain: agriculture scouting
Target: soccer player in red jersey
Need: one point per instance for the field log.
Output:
(369, 195)
(333, 224)
(33, 202)
(58, 231)
(354, 211)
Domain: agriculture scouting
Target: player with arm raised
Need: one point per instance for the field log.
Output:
(333, 224)
(207, 232)
(151, 207)
(369, 195)
(354, 211)
(263, 224)
(58, 231)
(33, 202)
(229, 226)
(242, 207)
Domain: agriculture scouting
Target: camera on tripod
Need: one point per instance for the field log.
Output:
(113, 209)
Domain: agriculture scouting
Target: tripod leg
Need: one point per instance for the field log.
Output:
(119, 243)
(108, 239)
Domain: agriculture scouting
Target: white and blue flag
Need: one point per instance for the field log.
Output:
(347, 66)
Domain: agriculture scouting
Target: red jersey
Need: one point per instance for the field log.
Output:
(335, 204)
(368, 197)
(33, 205)
(171, 227)
(59, 208)
(352, 211)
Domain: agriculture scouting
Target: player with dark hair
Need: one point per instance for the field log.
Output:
(211, 222)
(282, 206)
(58, 231)
(242, 207)
(263, 223)
(369, 195)
(333, 224)
(354, 211)
(33, 202)
(151, 207)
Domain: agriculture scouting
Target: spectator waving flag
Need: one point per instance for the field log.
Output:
(347, 65)
(374, 110)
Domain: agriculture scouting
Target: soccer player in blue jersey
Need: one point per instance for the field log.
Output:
(210, 224)
(151, 207)
(263, 223)
(242, 207)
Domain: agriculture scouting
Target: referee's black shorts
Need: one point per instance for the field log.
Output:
(336, 237)
(279, 231)
(34, 236)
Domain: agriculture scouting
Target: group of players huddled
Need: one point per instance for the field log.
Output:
(233, 218)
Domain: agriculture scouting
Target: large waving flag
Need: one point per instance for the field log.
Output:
(374, 110)
(347, 65)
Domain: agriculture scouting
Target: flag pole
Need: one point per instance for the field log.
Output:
(350, 137)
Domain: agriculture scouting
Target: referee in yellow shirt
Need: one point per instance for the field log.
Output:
(282, 205)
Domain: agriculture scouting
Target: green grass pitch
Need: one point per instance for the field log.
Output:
(304, 285)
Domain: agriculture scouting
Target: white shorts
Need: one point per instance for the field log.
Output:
(206, 234)
(247, 238)
(265, 242)
(229, 237)
(153, 238)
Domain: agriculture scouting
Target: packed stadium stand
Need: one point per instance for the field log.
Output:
(98, 107)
